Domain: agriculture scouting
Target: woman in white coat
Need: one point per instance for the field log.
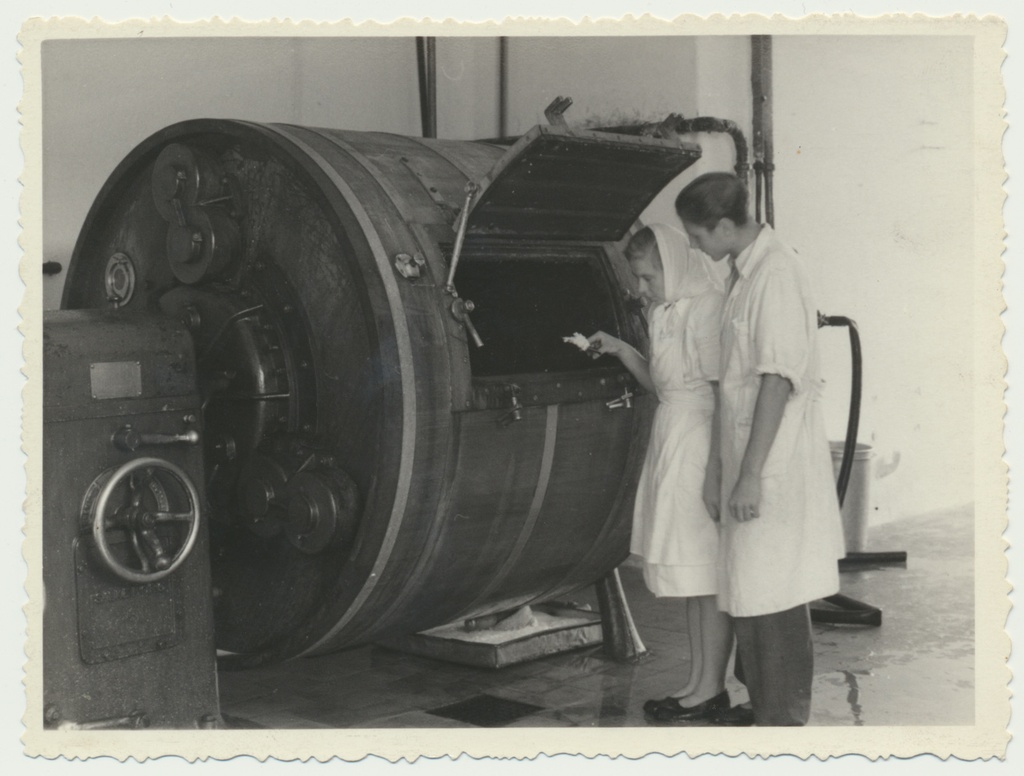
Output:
(672, 530)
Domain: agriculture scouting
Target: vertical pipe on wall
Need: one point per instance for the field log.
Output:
(769, 137)
(502, 86)
(421, 76)
(758, 194)
(426, 65)
(757, 139)
(432, 85)
(761, 83)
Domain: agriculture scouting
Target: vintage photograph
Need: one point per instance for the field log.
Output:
(397, 390)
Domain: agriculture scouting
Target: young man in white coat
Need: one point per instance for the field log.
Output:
(773, 491)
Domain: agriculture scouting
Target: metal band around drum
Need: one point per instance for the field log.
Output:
(400, 200)
(539, 494)
(407, 379)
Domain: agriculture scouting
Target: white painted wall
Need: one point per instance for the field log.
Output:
(611, 80)
(467, 88)
(721, 88)
(874, 153)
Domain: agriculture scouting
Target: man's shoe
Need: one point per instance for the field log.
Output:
(670, 710)
(737, 716)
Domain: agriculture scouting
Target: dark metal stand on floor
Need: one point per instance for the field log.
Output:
(843, 610)
(621, 638)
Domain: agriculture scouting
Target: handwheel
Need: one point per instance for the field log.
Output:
(145, 507)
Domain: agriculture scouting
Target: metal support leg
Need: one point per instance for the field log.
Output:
(621, 639)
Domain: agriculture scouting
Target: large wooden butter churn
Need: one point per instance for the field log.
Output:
(371, 468)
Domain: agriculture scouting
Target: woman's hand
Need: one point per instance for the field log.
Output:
(602, 343)
(605, 344)
(745, 501)
(712, 493)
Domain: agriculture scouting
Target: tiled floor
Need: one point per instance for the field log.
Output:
(917, 669)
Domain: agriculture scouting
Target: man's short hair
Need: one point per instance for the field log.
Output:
(712, 197)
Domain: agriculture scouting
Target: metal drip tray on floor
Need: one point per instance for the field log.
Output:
(548, 634)
(486, 711)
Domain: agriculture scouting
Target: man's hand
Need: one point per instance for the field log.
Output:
(745, 501)
(772, 395)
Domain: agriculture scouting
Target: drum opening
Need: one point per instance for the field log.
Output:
(526, 299)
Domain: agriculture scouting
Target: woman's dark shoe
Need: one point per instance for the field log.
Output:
(671, 710)
(737, 716)
(653, 705)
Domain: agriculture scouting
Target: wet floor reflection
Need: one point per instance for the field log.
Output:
(853, 697)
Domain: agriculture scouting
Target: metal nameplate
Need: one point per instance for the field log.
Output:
(115, 379)
(118, 619)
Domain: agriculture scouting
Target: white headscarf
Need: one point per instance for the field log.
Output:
(685, 269)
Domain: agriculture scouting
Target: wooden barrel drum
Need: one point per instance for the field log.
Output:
(370, 469)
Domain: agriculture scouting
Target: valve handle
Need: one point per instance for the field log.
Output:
(140, 522)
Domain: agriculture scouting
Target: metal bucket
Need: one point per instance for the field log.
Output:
(856, 504)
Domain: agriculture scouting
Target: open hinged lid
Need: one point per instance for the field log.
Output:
(557, 183)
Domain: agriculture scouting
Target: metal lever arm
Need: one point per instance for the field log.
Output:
(461, 308)
(137, 720)
(554, 112)
(148, 537)
(460, 237)
(515, 412)
(190, 437)
(128, 439)
(626, 400)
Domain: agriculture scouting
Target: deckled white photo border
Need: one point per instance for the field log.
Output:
(986, 738)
